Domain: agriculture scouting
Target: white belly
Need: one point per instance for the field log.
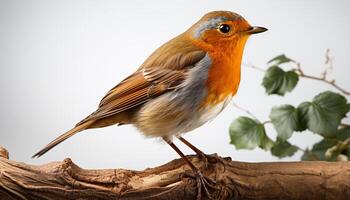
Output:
(169, 121)
(208, 114)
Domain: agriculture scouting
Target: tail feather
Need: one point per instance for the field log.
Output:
(63, 137)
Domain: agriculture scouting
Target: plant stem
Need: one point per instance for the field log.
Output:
(266, 122)
(303, 75)
(300, 149)
(314, 156)
(345, 144)
(244, 110)
(254, 67)
(323, 79)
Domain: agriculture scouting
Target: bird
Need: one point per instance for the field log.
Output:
(183, 84)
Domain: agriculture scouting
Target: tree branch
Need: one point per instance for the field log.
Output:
(322, 77)
(244, 110)
(235, 180)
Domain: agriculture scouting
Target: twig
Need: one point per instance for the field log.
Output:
(297, 69)
(254, 67)
(323, 79)
(346, 143)
(300, 149)
(266, 122)
(329, 63)
(312, 155)
(337, 149)
(244, 110)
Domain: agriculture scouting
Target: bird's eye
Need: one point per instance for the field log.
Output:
(224, 28)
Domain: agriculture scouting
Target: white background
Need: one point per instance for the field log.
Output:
(58, 59)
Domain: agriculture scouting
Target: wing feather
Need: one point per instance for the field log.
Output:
(146, 83)
(132, 83)
(137, 89)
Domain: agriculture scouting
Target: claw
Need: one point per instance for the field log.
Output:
(203, 183)
(206, 159)
(203, 157)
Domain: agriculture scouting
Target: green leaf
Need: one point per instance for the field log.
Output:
(266, 143)
(285, 119)
(277, 81)
(342, 145)
(308, 156)
(343, 133)
(333, 152)
(280, 59)
(247, 133)
(319, 149)
(336, 148)
(283, 149)
(324, 113)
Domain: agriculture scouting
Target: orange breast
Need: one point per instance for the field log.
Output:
(225, 73)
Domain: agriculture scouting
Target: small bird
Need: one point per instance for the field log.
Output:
(182, 85)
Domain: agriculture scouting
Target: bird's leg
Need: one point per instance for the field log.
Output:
(202, 181)
(199, 153)
(204, 157)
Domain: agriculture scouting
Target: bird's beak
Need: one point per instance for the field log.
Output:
(255, 30)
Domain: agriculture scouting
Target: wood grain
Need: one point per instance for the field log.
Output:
(235, 180)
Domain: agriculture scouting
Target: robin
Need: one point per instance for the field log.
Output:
(183, 84)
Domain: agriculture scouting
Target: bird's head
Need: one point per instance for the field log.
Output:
(220, 28)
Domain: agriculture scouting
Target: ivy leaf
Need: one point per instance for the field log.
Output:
(333, 152)
(285, 119)
(266, 143)
(342, 145)
(343, 133)
(283, 149)
(330, 149)
(319, 149)
(324, 113)
(277, 81)
(280, 59)
(247, 133)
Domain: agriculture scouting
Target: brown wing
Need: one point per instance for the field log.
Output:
(137, 89)
(155, 77)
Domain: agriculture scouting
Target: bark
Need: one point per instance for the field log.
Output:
(235, 180)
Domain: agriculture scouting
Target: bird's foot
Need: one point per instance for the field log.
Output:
(203, 183)
(207, 159)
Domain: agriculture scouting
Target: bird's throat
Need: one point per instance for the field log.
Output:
(225, 73)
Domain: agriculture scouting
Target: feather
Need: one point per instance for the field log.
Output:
(149, 81)
(62, 138)
(163, 71)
